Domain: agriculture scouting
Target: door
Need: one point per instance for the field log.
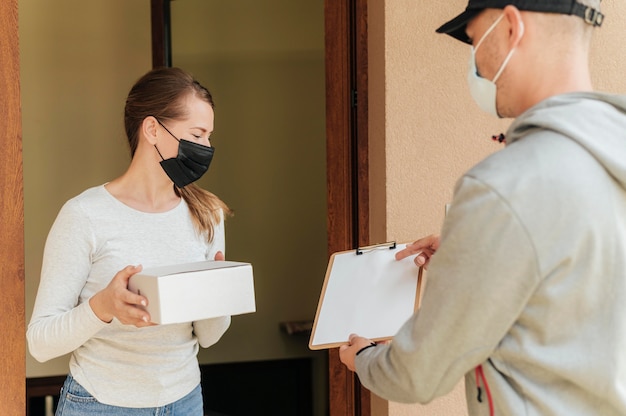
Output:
(347, 165)
(12, 344)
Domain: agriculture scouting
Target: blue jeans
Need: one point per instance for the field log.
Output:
(76, 401)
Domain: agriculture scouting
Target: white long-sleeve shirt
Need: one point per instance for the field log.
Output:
(93, 237)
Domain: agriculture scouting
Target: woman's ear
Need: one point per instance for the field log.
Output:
(149, 127)
(516, 25)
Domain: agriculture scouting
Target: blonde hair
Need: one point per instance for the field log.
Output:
(206, 209)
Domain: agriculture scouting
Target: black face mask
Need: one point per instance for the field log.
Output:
(192, 162)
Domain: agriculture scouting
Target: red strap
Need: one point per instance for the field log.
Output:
(481, 375)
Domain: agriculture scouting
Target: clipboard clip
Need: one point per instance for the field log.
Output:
(390, 245)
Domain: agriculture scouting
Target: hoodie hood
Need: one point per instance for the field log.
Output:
(596, 121)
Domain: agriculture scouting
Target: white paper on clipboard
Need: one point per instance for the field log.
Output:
(370, 294)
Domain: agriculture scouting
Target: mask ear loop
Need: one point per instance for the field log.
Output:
(506, 61)
(491, 28)
(157, 149)
(508, 57)
(166, 129)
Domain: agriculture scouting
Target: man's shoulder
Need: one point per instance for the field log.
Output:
(542, 164)
(541, 150)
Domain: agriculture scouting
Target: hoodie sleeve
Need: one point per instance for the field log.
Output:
(477, 285)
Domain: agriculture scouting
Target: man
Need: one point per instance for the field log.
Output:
(526, 293)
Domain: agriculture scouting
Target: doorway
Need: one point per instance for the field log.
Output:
(347, 182)
(340, 222)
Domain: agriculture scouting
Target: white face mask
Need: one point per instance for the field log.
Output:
(484, 91)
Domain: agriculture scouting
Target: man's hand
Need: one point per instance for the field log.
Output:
(424, 248)
(347, 353)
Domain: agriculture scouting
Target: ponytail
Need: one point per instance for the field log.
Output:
(206, 209)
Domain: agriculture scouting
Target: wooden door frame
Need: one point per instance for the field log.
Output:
(12, 340)
(347, 179)
(346, 165)
(161, 29)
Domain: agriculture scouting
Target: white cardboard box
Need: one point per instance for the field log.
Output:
(194, 291)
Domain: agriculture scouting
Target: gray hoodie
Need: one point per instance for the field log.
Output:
(529, 282)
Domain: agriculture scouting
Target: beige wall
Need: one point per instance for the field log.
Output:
(77, 61)
(426, 130)
(264, 63)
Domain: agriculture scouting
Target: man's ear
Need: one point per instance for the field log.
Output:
(515, 25)
(149, 127)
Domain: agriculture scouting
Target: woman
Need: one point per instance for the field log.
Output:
(150, 216)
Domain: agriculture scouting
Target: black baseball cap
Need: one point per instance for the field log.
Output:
(456, 27)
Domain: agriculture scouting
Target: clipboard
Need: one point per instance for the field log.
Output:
(368, 292)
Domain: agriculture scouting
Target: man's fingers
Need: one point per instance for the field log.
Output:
(426, 246)
(408, 251)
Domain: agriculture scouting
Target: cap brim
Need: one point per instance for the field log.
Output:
(456, 27)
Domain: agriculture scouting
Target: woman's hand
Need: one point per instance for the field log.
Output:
(116, 301)
(424, 248)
